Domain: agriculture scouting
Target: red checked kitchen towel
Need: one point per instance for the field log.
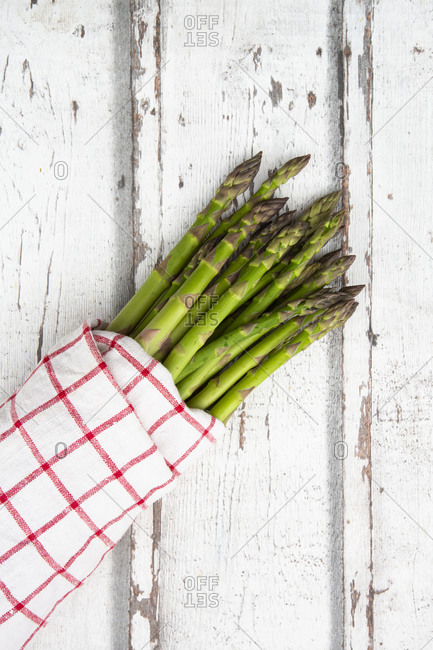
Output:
(97, 432)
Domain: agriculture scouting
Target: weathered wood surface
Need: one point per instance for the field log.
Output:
(65, 70)
(311, 523)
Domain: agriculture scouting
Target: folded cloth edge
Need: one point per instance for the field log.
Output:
(113, 352)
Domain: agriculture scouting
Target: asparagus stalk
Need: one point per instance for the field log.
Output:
(323, 276)
(318, 214)
(259, 213)
(325, 204)
(226, 345)
(273, 226)
(300, 316)
(277, 283)
(227, 404)
(238, 296)
(223, 350)
(268, 208)
(352, 291)
(257, 243)
(210, 244)
(204, 327)
(229, 277)
(323, 273)
(312, 268)
(236, 183)
(156, 333)
(266, 191)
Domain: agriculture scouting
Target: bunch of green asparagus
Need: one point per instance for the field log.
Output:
(240, 295)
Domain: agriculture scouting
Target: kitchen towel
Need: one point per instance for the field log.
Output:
(97, 432)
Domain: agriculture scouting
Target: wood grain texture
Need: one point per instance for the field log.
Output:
(254, 88)
(356, 129)
(147, 74)
(310, 525)
(65, 71)
(402, 316)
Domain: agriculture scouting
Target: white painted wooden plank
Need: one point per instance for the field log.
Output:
(65, 71)
(147, 77)
(402, 317)
(284, 588)
(356, 80)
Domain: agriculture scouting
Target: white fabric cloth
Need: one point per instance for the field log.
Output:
(96, 432)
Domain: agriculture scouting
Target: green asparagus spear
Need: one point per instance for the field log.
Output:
(261, 213)
(352, 291)
(270, 206)
(227, 404)
(323, 232)
(156, 333)
(323, 273)
(227, 344)
(323, 276)
(326, 204)
(204, 327)
(236, 183)
(266, 191)
(301, 316)
(229, 277)
(313, 267)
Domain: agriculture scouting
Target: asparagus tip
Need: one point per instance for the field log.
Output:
(352, 291)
